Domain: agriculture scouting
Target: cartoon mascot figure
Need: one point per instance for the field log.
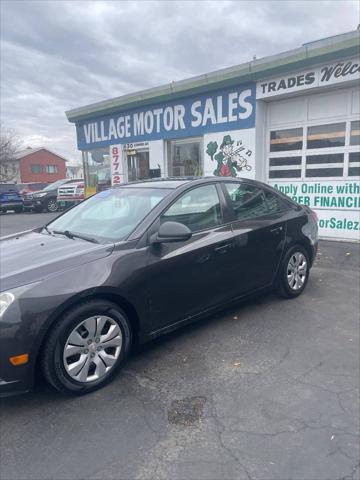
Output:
(229, 161)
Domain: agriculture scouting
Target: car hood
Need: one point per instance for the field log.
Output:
(32, 192)
(31, 256)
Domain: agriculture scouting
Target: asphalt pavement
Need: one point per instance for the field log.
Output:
(268, 390)
(11, 222)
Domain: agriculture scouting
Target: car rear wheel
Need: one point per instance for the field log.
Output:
(86, 347)
(19, 209)
(294, 273)
(52, 205)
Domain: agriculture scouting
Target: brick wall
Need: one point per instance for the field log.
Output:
(42, 160)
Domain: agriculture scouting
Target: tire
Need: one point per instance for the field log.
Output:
(52, 206)
(93, 364)
(294, 272)
(19, 209)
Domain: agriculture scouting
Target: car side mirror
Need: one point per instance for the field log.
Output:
(171, 232)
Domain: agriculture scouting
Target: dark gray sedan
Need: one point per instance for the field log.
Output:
(135, 262)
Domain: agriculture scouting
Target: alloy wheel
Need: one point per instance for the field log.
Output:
(92, 348)
(52, 206)
(296, 270)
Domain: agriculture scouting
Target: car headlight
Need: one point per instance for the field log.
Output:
(39, 195)
(6, 299)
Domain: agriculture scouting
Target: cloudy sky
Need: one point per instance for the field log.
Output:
(57, 55)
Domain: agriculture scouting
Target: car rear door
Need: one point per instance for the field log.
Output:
(186, 278)
(259, 233)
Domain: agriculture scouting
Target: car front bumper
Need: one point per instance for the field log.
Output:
(10, 205)
(14, 387)
(36, 203)
(68, 202)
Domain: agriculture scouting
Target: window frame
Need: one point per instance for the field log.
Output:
(41, 169)
(229, 202)
(168, 150)
(222, 203)
(305, 152)
(55, 167)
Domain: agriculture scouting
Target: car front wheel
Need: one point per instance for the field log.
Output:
(294, 273)
(86, 347)
(52, 205)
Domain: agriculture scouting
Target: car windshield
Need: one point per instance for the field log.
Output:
(54, 185)
(108, 216)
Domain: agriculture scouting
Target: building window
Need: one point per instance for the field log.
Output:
(327, 151)
(184, 158)
(36, 168)
(285, 167)
(326, 136)
(52, 169)
(329, 165)
(354, 164)
(355, 133)
(284, 140)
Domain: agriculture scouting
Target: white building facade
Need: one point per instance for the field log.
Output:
(291, 120)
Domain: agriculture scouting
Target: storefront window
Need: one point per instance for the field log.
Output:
(284, 140)
(138, 165)
(326, 136)
(184, 158)
(355, 133)
(329, 165)
(97, 170)
(354, 164)
(285, 167)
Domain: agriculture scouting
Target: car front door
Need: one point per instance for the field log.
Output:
(186, 278)
(259, 237)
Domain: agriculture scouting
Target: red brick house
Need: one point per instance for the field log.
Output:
(40, 165)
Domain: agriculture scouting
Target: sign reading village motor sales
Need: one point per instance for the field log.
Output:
(228, 109)
(341, 71)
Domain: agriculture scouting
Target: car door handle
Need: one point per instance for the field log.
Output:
(223, 248)
(276, 231)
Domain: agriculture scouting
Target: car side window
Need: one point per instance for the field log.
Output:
(275, 203)
(198, 209)
(246, 200)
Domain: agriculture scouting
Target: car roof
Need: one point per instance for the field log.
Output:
(176, 182)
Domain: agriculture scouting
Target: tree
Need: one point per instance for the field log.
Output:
(9, 147)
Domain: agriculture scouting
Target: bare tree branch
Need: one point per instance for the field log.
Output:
(9, 147)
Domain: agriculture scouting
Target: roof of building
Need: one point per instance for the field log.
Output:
(309, 54)
(30, 151)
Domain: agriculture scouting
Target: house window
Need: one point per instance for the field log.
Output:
(52, 169)
(36, 168)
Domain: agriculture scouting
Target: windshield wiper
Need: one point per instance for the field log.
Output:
(48, 231)
(72, 235)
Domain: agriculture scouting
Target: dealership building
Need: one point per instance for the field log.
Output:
(291, 120)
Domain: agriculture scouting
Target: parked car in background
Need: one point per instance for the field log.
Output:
(137, 261)
(71, 194)
(10, 198)
(25, 188)
(45, 199)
